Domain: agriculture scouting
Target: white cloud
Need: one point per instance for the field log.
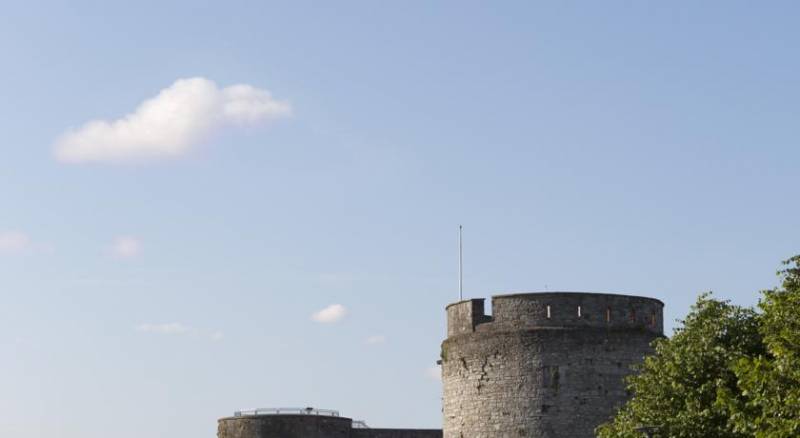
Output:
(330, 314)
(176, 328)
(126, 247)
(169, 124)
(17, 242)
(376, 339)
(169, 328)
(14, 242)
(434, 373)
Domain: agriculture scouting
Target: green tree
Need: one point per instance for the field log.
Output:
(677, 387)
(767, 404)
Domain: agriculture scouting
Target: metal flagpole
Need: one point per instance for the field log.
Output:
(460, 267)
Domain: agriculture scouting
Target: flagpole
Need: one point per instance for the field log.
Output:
(460, 267)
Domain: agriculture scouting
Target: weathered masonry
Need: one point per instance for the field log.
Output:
(543, 365)
(307, 423)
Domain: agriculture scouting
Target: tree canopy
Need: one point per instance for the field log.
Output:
(728, 371)
(767, 404)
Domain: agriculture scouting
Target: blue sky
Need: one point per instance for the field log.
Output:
(599, 146)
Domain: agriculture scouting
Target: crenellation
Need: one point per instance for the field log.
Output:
(556, 309)
(465, 316)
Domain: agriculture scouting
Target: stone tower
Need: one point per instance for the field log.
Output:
(307, 423)
(543, 365)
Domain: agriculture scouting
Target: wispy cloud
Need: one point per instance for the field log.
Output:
(170, 124)
(126, 247)
(177, 329)
(375, 339)
(18, 242)
(14, 242)
(169, 328)
(330, 314)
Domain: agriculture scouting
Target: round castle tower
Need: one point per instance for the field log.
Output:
(285, 423)
(307, 423)
(543, 365)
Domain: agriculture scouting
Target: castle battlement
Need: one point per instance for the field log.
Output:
(556, 310)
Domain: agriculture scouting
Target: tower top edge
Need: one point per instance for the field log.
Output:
(572, 294)
(468, 300)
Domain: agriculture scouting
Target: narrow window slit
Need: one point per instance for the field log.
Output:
(608, 314)
(579, 311)
(548, 311)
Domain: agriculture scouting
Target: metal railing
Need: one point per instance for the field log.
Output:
(360, 424)
(286, 411)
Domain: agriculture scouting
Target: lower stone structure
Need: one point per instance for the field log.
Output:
(396, 433)
(308, 426)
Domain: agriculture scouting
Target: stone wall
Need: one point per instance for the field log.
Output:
(570, 309)
(309, 426)
(537, 368)
(284, 426)
(464, 316)
(396, 433)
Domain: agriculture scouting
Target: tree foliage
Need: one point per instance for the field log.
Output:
(728, 371)
(768, 401)
(676, 388)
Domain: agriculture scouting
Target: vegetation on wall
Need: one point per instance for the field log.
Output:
(728, 371)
